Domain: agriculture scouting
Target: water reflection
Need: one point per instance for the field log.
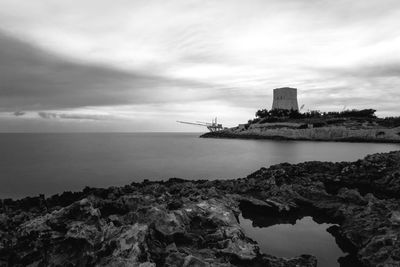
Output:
(294, 234)
(305, 236)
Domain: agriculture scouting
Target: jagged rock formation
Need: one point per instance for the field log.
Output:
(298, 131)
(195, 223)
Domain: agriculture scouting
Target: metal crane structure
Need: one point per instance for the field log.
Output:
(214, 126)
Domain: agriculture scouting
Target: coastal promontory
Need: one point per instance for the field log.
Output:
(349, 125)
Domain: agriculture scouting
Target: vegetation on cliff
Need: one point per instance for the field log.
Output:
(323, 118)
(345, 126)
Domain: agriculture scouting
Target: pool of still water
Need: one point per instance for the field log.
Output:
(291, 239)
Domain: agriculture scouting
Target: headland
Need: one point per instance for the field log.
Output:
(345, 126)
(286, 121)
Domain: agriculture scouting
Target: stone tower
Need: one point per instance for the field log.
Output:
(285, 98)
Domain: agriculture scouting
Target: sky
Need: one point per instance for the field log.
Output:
(141, 65)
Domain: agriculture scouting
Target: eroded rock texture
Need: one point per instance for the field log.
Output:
(195, 223)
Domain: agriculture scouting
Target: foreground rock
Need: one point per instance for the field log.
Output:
(195, 223)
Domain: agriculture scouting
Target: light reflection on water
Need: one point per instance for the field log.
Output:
(291, 240)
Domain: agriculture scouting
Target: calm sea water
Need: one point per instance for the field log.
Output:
(305, 236)
(52, 163)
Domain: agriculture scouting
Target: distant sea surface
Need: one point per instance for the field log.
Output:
(31, 164)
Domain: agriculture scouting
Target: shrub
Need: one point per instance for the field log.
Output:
(319, 124)
(389, 122)
(303, 126)
(294, 114)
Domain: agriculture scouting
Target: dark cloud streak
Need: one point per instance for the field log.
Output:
(372, 70)
(19, 113)
(31, 79)
(55, 115)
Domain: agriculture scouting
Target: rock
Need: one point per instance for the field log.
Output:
(195, 223)
(175, 204)
(127, 244)
(168, 224)
(301, 261)
(242, 250)
(296, 131)
(191, 261)
(352, 196)
(395, 217)
(83, 231)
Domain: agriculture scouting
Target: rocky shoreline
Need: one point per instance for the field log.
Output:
(228, 135)
(331, 133)
(195, 223)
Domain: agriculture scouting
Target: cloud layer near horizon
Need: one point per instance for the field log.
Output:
(120, 65)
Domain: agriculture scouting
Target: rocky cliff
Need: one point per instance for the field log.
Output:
(195, 223)
(295, 131)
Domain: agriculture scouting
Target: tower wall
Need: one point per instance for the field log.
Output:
(285, 98)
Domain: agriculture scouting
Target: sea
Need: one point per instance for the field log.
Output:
(32, 164)
(50, 163)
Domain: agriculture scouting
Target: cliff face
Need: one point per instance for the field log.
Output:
(295, 131)
(195, 223)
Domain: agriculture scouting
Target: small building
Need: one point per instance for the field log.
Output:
(285, 98)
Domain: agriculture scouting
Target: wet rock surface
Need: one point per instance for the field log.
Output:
(195, 223)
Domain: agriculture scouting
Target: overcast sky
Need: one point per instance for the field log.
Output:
(130, 65)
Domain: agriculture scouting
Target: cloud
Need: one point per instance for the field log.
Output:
(73, 116)
(32, 79)
(19, 113)
(147, 54)
(367, 71)
(47, 115)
